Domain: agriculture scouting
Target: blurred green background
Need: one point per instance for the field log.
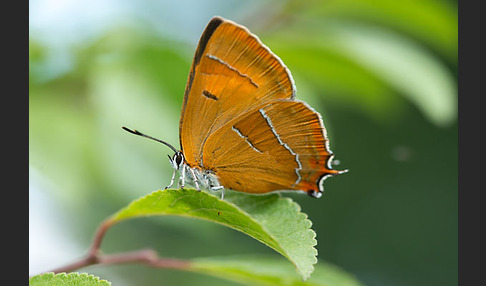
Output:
(383, 74)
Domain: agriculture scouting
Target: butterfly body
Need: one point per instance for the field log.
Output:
(241, 127)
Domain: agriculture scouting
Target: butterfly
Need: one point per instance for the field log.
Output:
(241, 127)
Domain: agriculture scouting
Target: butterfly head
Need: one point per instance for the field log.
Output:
(177, 160)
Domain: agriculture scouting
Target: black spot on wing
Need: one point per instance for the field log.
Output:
(209, 95)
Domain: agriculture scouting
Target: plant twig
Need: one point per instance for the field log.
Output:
(148, 257)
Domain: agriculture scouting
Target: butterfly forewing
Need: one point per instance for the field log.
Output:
(231, 72)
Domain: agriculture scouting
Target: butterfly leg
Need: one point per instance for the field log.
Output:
(217, 189)
(195, 179)
(182, 178)
(171, 180)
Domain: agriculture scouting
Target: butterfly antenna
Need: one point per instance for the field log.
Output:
(150, 137)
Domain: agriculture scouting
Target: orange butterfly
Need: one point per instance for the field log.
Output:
(241, 127)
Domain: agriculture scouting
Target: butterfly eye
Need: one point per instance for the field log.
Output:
(178, 159)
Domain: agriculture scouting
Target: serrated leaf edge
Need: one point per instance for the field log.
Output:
(305, 220)
(68, 275)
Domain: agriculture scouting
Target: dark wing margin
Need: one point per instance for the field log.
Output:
(208, 32)
(203, 41)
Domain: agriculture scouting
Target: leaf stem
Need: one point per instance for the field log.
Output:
(148, 257)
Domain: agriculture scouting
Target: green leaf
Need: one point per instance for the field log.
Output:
(407, 67)
(265, 270)
(271, 219)
(429, 21)
(64, 279)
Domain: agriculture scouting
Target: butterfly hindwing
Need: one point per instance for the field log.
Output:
(281, 145)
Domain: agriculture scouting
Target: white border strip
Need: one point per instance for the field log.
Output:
(269, 122)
